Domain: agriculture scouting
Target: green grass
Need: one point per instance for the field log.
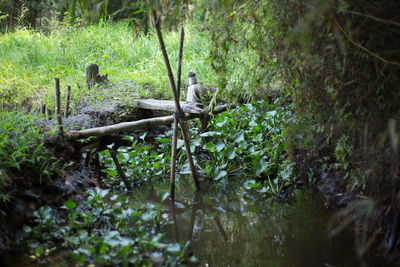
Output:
(30, 60)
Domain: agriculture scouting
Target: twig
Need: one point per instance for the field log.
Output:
(119, 169)
(206, 117)
(58, 107)
(67, 97)
(362, 47)
(374, 18)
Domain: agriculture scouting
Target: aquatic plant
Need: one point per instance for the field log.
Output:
(107, 230)
(248, 141)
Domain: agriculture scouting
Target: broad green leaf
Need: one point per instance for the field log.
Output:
(70, 204)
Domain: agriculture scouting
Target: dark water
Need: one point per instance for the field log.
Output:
(235, 227)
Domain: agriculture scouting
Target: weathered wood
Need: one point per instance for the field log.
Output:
(173, 161)
(168, 105)
(176, 98)
(43, 109)
(134, 125)
(179, 71)
(93, 76)
(67, 98)
(120, 127)
(58, 106)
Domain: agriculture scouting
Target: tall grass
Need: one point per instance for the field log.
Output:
(30, 60)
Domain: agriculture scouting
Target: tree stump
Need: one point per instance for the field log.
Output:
(93, 77)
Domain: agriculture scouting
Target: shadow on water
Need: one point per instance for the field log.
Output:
(235, 227)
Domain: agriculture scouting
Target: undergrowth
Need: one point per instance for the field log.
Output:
(30, 60)
(21, 150)
(247, 142)
(245, 145)
(107, 229)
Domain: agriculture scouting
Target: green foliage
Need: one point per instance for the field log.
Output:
(21, 149)
(242, 50)
(29, 62)
(105, 229)
(337, 60)
(247, 142)
(141, 162)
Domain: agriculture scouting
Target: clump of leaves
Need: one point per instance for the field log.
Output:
(249, 142)
(142, 162)
(107, 230)
(21, 148)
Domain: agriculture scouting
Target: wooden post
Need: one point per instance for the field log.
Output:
(178, 73)
(58, 107)
(48, 113)
(119, 169)
(174, 222)
(176, 99)
(175, 136)
(173, 161)
(43, 109)
(67, 98)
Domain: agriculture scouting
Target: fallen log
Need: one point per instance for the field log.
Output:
(134, 125)
(120, 127)
(168, 105)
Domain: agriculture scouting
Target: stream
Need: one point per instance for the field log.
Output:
(228, 225)
(236, 227)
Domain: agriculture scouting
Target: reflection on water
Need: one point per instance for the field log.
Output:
(233, 227)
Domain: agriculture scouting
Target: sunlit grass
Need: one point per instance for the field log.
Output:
(29, 61)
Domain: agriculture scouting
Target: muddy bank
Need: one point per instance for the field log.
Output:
(350, 206)
(74, 177)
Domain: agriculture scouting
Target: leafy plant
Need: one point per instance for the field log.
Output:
(248, 141)
(21, 149)
(107, 230)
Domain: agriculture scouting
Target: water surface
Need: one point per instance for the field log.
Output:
(237, 227)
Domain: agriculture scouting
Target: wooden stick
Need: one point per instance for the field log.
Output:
(176, 98)
(206, 118)
(48, 114)
(174, 223)
(120, 127)
(166, 62)
(128, 126)
(173, 161)
(175, 136)
(58, 106)
(43, 109)
(67, 97)
(195, 206)
(178, 73)
(119, 169)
